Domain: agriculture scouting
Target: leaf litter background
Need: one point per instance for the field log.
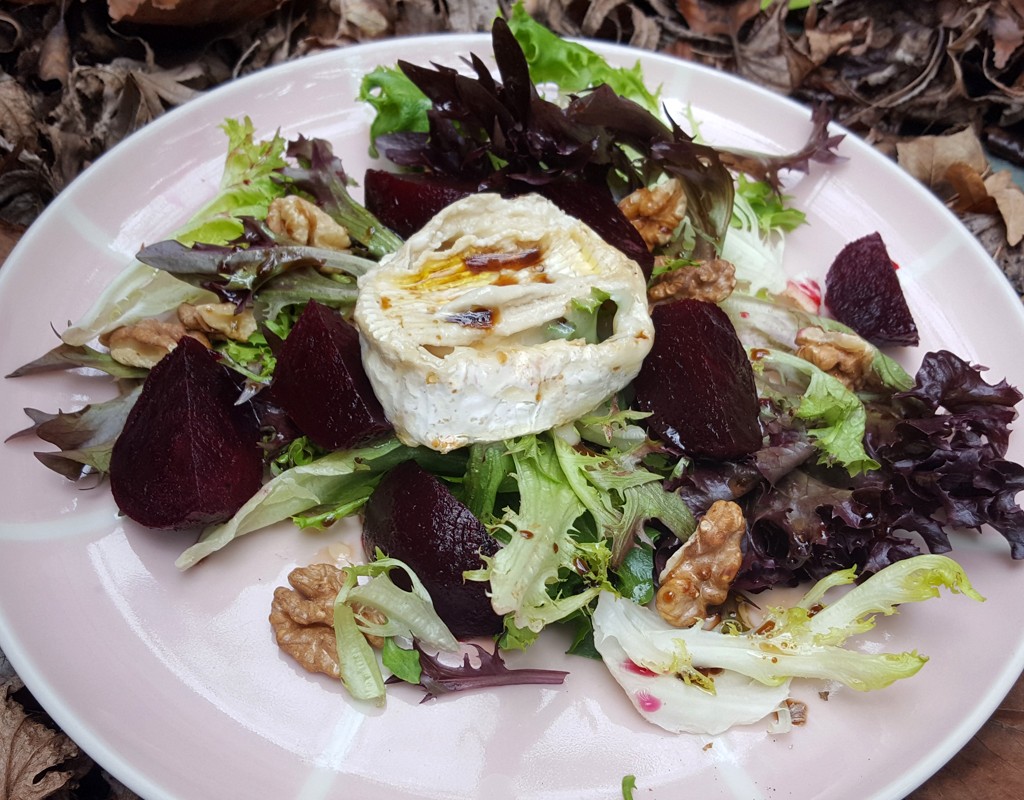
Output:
(938, 85)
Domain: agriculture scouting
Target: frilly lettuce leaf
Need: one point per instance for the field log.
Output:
(836, 417)
(657, 664)
(541, 541)
(410, 614)
(247, 187)
(620, 496)
(399, 103)
(572, 66)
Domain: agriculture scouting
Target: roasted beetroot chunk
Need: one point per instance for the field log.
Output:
(406, 202)
(320, 383)
(187, 455)
(412, 516)
(698, 384)
(863, 291)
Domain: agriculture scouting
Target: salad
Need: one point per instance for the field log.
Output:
(585, 512)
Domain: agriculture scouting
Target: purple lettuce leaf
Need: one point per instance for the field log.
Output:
(67, 356)
(85, 437)
(437, 678)
(941, 448)
(317, 171)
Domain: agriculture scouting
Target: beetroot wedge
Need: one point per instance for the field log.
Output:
(320, 383)
(406, 202)
(863, 291)
(187, 455)
(412, 516)
(698, 384)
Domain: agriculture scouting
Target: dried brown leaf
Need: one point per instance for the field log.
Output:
(25, 189)
(17, 113)
(189, 13)
(970, 194)
(55, 54)
(35, 757)
(1010, 200)
(990, 231)
(769, 57)
(710, 18)
(620, 20)
(11, 32)
(7, 672)
(928, 158)
(851, 37)
(1007, 33)
(368, 18)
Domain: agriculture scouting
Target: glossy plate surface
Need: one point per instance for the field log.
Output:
(173, 681)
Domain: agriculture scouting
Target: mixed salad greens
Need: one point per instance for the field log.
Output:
(585, 516)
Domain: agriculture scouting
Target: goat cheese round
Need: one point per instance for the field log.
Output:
(500, 318)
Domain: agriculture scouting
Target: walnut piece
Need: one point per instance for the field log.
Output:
(303, 617)
(712, 281)
(144, 343)
(700, 572)
(304, 223)
(222, 319)
(656, 212)
(844, 356)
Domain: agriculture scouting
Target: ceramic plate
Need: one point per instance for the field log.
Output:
(173, 681)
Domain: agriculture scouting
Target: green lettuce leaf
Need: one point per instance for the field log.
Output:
(399, 104)
(410, 614)
(836, 417)
(621, 496)
(248, 185)
(525, 573)
(572, 66)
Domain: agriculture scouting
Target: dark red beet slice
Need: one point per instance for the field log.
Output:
(406, 202)
(595, 206)
(187, 455)
(862, 291)
(412, 516)
(698, 383)
(320, 383)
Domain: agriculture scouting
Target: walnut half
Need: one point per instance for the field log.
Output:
(303, 617)
(700, 572)
(844, 356)
(656, 212)
(218, 319)
(144, 343)
(711, 281)
(302, 222)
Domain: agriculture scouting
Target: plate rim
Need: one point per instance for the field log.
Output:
(78, 729)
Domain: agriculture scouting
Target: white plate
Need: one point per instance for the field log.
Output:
(173, 681)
